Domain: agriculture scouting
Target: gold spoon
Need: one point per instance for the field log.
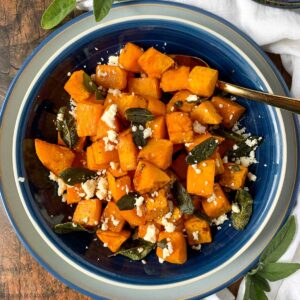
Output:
(273, 100)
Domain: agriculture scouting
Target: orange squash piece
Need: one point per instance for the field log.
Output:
(111, 77)
(206, 113)
(229, 110)
(142, 230)
(113, 218)
(158, 152)
(116, 170)
(54, 157)
(90, 159)
(132, 218)
(146, 87)
(219, 163)
(158, 128)
(126, 101)
(155, 63)
(118, 186)
(75, 87)
(155, 106)
(179, 127)
(111, 99)
(177, 240)
(149, 178)
(179, 166)
(113, 240)
(198, 231)
(182, 104)
(200, 179)
(127, 151)
(87, 117)
(156, 207)
(103, 157)
(129, 56)
(202, 81)
(234, 176)
(74, 194)
(175, 79)
(88, 212)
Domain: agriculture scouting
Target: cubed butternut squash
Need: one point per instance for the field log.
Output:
(229, 110)
(155, 106)
(111, 77)
(127, 151)
(158, 127)
(158, 152)
(149, 232)
(132, 218)
(111, 99)
(113, 240)
(54, 157)
(177, 252)
(103, 157)
(80, 160)
(126, 101)
(155, 63)
(149, 178)
(179, 127)
(115, 170)
(200, 178)
(118, 186)
(75, 87)
(179, 166)
(113, 218)
(156, 206)
(91, 163)
(129, 56)
(74, 193)
(219, 164)
(88, 212)
(179, 102)
(234, 176)
(198, 231)
(175, 79)
(217, 204)
(206, 113)
(146, 87)
(202, 81)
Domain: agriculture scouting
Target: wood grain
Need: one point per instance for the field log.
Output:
(21, 277)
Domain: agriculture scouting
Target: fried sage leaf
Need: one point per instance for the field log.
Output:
(162, 244)
(138, 115)
(183, 198)
(135, 249)
(127, 202)
(91, 87)
(241, 219)
(69, 227)
(66, 126)
(202, 151)
(227, 134)
(138, 135)
(202, 216)
(74, 175)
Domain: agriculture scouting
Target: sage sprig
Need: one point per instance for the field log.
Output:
(183, 198)
(74, 175)
(127, 202)
(70, 227)
(91, 87)
(268, 268)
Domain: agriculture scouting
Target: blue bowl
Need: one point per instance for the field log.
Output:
(46, 94)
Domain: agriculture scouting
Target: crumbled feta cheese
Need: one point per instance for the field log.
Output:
(140, 249)
(167, 251)
(105, 245)
(104, 225)
(235, 147)
(188, 144)
(161, 261)
(154, 194)
(235, 208)
(60, 117)
(112, 137)
(114, 92)
(211, 198)
(192, 98)
(220, 220)
(195, 167)
(138, 203)
(102, 188)
(219, 227)
(133, 128)
(141, 127)
(204, 164)
(69, 74)
(150, 235)
(109, 116)
(147, 133)
(113, 165)
(221, 105)
(247, 161)
(85, 219)
(198, 128)
(195, 235)
(61, 185)
(21, 179)
(143, 262)
(246, 189)
(225, 159)
(114, 221)
(74, 225)
(89, 188)
(169, 227)
(251, 176)
(197, 247)
(113, 60)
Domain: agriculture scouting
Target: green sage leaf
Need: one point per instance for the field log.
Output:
(101, 8)
(202, 216)
(138, 135)
(162, 244)
(74, 175)
(135, 249)
(280, 242)
(241, 219)
(56, 12)
(127, 202)
(227, 134)
(138, 115)
(91, 87)
(183, 198)
(69, 227)
(202, 151)
(66, 126)
(278, 271)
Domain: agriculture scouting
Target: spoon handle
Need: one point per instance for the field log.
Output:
(277, 101)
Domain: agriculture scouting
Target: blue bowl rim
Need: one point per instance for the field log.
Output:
(63, 27)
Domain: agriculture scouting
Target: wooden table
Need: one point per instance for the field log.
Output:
(21, 277)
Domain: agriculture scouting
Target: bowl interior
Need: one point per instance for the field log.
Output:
(48, 95)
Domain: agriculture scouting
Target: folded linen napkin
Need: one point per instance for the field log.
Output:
(276, 31)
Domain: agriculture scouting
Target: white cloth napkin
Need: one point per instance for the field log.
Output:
(276, 31)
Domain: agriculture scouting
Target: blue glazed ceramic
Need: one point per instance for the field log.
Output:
(31, 107)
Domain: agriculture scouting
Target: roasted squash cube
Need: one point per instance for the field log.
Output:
(175, 79)
(219, 164)
(54, 157)
(112, 218)
(126, 101)
(149, 232)
(179, 127)
(74, 194)
(229, 110)
(155, 63)
(200, 178)
(158, 152)
(158, 127)
(113, 240)
(111, 99)
(179, 102)
(90, 159)
(111, 77)
(198, 231)
(234, 176)
(146, 87)
(149, 178)
(179, 166)
(115, 170)
(202, 81)
(103, 157)
(75, 87)
(206, 113)
(155, 106)
(198, 139)
(88, 212)
(156, 206)
(176, 251)
(129, 56)
(118, 186)
(132, 218)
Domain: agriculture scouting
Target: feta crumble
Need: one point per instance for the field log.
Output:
(235, 208)
(198, 128)
(251, 176)
(211, 198)
(61, 185)
(113, 60)
(133, 128)
(195, 235)
(197, 247)
(147, 133)
(109, 116)
(220, 220)
(192, 98)
(138, 203)
(169, 227)
(167, 251)
(89, 187)
(195, 167)
(104, 225)
(114, 92)
(150, 235)
(102, 188)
